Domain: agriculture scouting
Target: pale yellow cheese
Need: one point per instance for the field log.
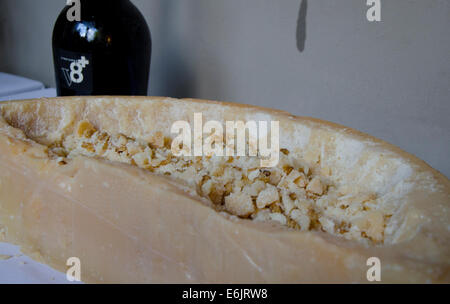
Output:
(77, 179)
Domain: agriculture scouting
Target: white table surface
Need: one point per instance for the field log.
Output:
(16, 268)
(51, 92)
(12, 84)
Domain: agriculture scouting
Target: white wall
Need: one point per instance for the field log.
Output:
(390, 79)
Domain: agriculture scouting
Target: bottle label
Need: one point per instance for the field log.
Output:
(75, 71)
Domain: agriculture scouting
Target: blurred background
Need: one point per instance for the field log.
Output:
(322, 58)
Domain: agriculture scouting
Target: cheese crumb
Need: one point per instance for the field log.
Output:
(301, 219)
(315, 186)
(267, 197)
(239, 204)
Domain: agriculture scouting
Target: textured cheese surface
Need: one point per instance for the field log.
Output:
(337, 198)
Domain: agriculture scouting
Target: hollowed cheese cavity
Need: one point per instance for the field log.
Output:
(292, 195)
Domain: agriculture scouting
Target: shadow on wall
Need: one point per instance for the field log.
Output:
(172, 76)
(301, 26)
(3, 36)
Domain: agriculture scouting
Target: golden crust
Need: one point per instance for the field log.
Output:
(417, 247)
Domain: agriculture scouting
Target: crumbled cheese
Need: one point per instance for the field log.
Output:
(315, 186)
(288, 202)
(255, 188)
(253, 174)
(278, 217)
(301, 219)
(240, 204)
(291, 194)
(267, 196)
(327, 224)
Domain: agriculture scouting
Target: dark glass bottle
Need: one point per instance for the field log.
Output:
(107, 52)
